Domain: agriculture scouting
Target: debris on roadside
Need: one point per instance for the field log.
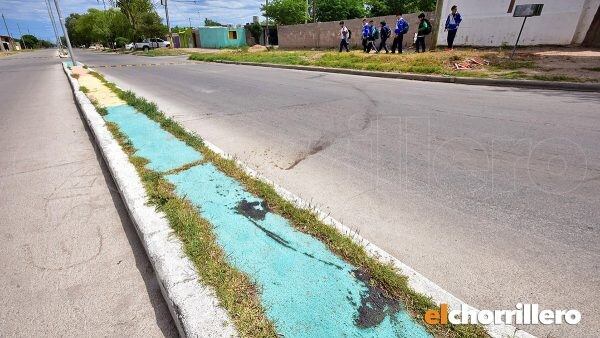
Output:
(471, 63)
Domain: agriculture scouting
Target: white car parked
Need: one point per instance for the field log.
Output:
(148, 44)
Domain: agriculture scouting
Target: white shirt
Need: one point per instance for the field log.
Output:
(344, 33)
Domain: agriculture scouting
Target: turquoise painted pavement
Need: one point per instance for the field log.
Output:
(164, 151)
(306, 290)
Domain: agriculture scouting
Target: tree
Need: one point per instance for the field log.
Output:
(30, 41)
(334, 10)
(150, 25)
(389, 7)
(136, 12)
(255, 29)
(286, 12)
(211, 23)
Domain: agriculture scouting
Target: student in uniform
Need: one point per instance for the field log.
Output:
(423, 30)
(399, 31)
(385, 33)
(366, 31)
(452, 22)
(344, 37)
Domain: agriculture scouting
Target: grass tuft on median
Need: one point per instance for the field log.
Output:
(237, 293)
(496, 64)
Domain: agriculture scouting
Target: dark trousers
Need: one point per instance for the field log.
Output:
(451, 36)
(397, 44)
(344, 45)
(382, 45)
(420, 43)
(371, 45)
(365, 43)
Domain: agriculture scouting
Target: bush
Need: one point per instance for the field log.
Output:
(120, 42)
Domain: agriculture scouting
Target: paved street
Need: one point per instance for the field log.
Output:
(490, 192)
(70, 260)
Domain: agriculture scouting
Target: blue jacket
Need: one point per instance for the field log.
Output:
(401, 26)
(366, 31)
(457, 20)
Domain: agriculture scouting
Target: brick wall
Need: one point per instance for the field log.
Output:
(326, 34)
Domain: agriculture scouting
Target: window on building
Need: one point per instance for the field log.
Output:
(232, 35)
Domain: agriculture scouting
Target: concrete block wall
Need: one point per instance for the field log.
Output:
(326, 34)
(561, 23)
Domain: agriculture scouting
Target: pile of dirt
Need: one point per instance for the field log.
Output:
(257, 48)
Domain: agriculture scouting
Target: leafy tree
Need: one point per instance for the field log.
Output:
(255, 29)
(150, 25)
(389, 7)
(30, 41)
(333, 10)
(136, 12)
(211, 23)
(286, 12)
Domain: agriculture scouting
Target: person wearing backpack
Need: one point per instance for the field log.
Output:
(344, 37)
(423, 30)
(386, 32)
(400, 30)
(452, 22)
(373, 35)
(366, 31)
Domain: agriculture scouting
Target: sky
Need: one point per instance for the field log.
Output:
(31, 16)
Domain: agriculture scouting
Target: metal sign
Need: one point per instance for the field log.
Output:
(524, 11)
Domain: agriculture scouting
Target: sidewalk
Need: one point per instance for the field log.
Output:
(71, 262)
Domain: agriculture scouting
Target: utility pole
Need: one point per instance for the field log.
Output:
(439, 7)
(165, 3)
(21, 35)
(12, 41)
(306, 13)
(190, 20)
(64, 29)
(267, 30)
(58, 41)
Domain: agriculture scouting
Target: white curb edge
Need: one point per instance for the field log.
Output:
(194, 307)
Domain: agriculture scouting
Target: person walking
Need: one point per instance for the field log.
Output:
(423, 30)
(452, 22)
(399, 31)
(385, 33)
(373, 35)
(366, 31)
(344, 37)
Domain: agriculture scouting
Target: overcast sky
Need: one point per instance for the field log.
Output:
(32, 15)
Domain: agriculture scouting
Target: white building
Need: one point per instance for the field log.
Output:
(490, 22)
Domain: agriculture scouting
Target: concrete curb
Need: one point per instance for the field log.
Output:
(527, 84)
(194, 306)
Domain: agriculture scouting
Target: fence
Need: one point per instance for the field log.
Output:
(326, 34)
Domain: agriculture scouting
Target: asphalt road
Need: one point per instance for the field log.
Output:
(493, 193)
(71, 263)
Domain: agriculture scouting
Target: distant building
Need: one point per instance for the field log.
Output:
(222, 37)
(491, 22)
(6, 43)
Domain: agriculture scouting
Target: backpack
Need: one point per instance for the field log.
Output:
(386, 32)
(349, 34)
(405, 30)
(428, 29)
(375, 34)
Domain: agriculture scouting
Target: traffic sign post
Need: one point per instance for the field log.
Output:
(525, 11)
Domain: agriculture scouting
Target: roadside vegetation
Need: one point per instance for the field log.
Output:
(235, 290)
(479, 63)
